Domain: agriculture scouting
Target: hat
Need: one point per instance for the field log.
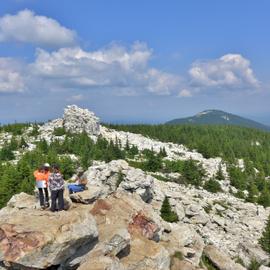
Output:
(46, 165)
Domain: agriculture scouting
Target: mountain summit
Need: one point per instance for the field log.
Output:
(217, 117)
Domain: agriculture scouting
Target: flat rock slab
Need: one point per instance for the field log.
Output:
(220, 260)
(40, 239)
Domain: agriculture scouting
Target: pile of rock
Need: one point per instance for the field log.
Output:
(77, 120)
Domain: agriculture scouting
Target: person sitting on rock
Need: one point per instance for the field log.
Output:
(41, 177)
(56, 185)
(80, 184)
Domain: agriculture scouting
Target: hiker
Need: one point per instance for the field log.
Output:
(41, 176)
(56, 185)
(80, 184)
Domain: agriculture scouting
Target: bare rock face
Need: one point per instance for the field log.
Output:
(220, 260)
(40, 239)
(125, 211)
(77, 120)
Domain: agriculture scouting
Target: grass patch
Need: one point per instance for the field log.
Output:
(206, 263)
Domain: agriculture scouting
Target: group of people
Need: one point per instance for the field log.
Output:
(49, 178)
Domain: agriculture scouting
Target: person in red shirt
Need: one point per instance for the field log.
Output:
(42, 177)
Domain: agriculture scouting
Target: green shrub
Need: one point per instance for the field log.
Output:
(254, 265)
(212, 186)
(59, 131)
(120, 178)
(264, 241)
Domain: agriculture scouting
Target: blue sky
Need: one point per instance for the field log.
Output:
(134, 61)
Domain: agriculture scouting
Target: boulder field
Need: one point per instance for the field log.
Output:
(116, 225)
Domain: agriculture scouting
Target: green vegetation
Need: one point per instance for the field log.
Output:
(167, 213)
(228, 142)
(120, 178)
(15, 129)
(264, 241)
(213, 186)
(179, 255)
(206, 263)
(15, 178)
(59, 131)
(239, 260)
(254, 265)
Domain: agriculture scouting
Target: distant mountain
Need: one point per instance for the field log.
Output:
(217, 117)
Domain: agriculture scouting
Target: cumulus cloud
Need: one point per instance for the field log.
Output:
(185, 93)
(27, 27)
(230, 71)
(75, 98)
(11, 78)
(114, 67)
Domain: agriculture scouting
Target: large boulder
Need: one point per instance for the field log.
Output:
(22, 201)
(40, 239)
(248, 251)
(77, 120)
(220, 260)
(183, 238)
(87, 196)
(117, 174)
(126, 211)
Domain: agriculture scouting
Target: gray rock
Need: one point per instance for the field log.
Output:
(193, 209)
(220, 260)
(77, 120)
(254, 251)
(40, 239)
(262, 267)
(87, 196)
(118, 243)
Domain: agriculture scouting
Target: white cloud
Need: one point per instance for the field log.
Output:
(185, 93)
(114, 67)
(11, 78)
(74, 98)
(27, 27)
(230, 71)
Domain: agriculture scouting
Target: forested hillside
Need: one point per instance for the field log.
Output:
(228, 142)
(217, 117)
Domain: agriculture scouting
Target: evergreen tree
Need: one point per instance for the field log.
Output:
(166, 212)
(193, 172)
(264, 198)
(219, 175)
(264, 241)
(153, 163)
(252, 193)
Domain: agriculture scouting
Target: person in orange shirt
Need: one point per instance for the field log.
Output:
(42, 177)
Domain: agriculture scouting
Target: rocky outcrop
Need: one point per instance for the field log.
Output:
(77, 120)
(40, 239)
(174, 151)
(220, 260)
(119, 175)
